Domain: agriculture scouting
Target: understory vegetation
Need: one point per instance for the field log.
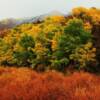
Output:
(26, 84)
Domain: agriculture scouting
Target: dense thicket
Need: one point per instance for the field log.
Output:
(25, 84)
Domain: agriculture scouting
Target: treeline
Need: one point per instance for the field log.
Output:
(58, 42)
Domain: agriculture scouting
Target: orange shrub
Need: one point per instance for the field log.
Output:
(25, 84)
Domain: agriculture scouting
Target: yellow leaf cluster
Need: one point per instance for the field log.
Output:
(85, 54)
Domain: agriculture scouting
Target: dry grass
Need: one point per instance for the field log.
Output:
(25, 84)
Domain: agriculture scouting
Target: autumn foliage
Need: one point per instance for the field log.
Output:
(49, 44)
(25, 84)
(69, 44)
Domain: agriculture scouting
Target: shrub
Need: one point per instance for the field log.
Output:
(25, 84)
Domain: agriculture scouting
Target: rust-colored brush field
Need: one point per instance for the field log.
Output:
(26, 84)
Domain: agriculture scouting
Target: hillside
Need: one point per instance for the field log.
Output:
(11, 22)
(51, 56)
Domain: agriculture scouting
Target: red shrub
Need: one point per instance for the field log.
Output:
(25, 84)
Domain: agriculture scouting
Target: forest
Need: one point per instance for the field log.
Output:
(57, 58)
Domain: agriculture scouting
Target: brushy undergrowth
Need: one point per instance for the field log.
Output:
(26, 84)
